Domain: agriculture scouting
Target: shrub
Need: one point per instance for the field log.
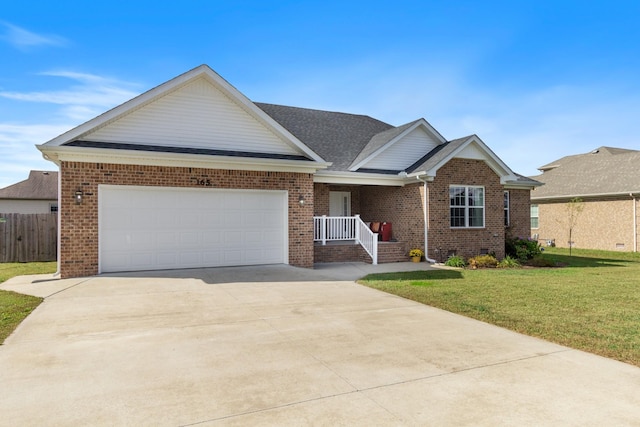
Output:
(483, 261)
(522, 249)
(509, 262)
(455, 261)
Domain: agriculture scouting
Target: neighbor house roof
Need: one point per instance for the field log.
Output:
(605, 171)
(41, 185)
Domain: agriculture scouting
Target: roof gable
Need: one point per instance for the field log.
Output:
(470, 147)
(601, 172)
(41, 185)
(197, 110)
(398, 148)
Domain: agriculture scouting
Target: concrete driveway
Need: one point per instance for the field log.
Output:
(278, 345)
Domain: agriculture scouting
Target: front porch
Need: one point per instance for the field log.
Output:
(349, 239)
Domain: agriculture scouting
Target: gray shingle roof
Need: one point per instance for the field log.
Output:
(336, 137)
(605, 170)
(41, 185)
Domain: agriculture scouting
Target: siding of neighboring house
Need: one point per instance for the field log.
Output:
(602, 224)
(27, 206)
(79, 223)
(465, 242)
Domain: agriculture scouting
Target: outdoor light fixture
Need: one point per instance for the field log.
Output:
(301, 200)
(78, 196)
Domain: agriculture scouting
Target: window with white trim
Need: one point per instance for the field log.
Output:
(466, 206)
(535, 216)
(507, 218)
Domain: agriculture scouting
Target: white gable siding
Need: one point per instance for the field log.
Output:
(472, 151)
(197, 115)
(405, 152)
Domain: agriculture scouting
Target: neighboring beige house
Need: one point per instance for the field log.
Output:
(607, 181)
(36, 194)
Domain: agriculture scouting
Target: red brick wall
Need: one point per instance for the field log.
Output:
(465, 242)
(79, 223)
(401, 206)
(520, 214)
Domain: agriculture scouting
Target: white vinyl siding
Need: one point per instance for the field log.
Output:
(466, 205)
(197, 115)
(405, 152)
(155, 228)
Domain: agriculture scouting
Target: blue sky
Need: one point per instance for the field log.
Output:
(535, 80)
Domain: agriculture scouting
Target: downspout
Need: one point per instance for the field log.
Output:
(59, 232)
(426, 221)
(635, 223)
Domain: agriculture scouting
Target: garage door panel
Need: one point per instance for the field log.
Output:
(147, 228)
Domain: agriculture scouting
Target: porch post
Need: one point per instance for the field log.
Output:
(323, 229)
(356, 225)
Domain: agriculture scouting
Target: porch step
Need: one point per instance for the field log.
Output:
(352, 252)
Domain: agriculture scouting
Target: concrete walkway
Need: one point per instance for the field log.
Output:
(278, 345)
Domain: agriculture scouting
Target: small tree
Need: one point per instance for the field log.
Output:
(575, 207)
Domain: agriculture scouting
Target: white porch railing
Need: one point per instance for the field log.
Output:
(333, 228)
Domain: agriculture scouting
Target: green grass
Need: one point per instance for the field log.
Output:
(14, 307)
(591, 303)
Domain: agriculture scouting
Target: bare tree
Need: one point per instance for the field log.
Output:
(575, 207)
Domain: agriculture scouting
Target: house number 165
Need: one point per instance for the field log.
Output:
(205, 182)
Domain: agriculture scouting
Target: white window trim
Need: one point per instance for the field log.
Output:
(467, 207)
(531, 215)
(507, 209)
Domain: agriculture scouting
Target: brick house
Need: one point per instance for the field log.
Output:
(194, 174)
(607, 181)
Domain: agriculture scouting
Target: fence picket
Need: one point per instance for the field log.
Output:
(28, 237)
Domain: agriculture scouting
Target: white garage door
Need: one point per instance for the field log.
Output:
(156, 228)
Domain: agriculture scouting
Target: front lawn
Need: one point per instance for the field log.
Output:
(592, 303)
(15, 307)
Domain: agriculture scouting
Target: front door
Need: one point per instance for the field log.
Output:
(339, 203)
(339, 206)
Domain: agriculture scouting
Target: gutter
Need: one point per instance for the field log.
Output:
(582, 196)
(426, 219)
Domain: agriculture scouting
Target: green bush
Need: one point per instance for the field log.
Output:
(522, 249)
(483, 261)
(509, 262)
(455, 261)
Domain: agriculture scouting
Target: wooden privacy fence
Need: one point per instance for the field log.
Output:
(28, 237)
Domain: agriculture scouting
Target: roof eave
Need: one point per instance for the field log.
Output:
(58, 154)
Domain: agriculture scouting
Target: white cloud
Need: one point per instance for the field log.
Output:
(18, 153)
(92, 91)
(89, 96)
(24, 40)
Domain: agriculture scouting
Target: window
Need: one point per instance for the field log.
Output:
(507, 219)
(535, 219)
(466, 205)
(53, 207)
